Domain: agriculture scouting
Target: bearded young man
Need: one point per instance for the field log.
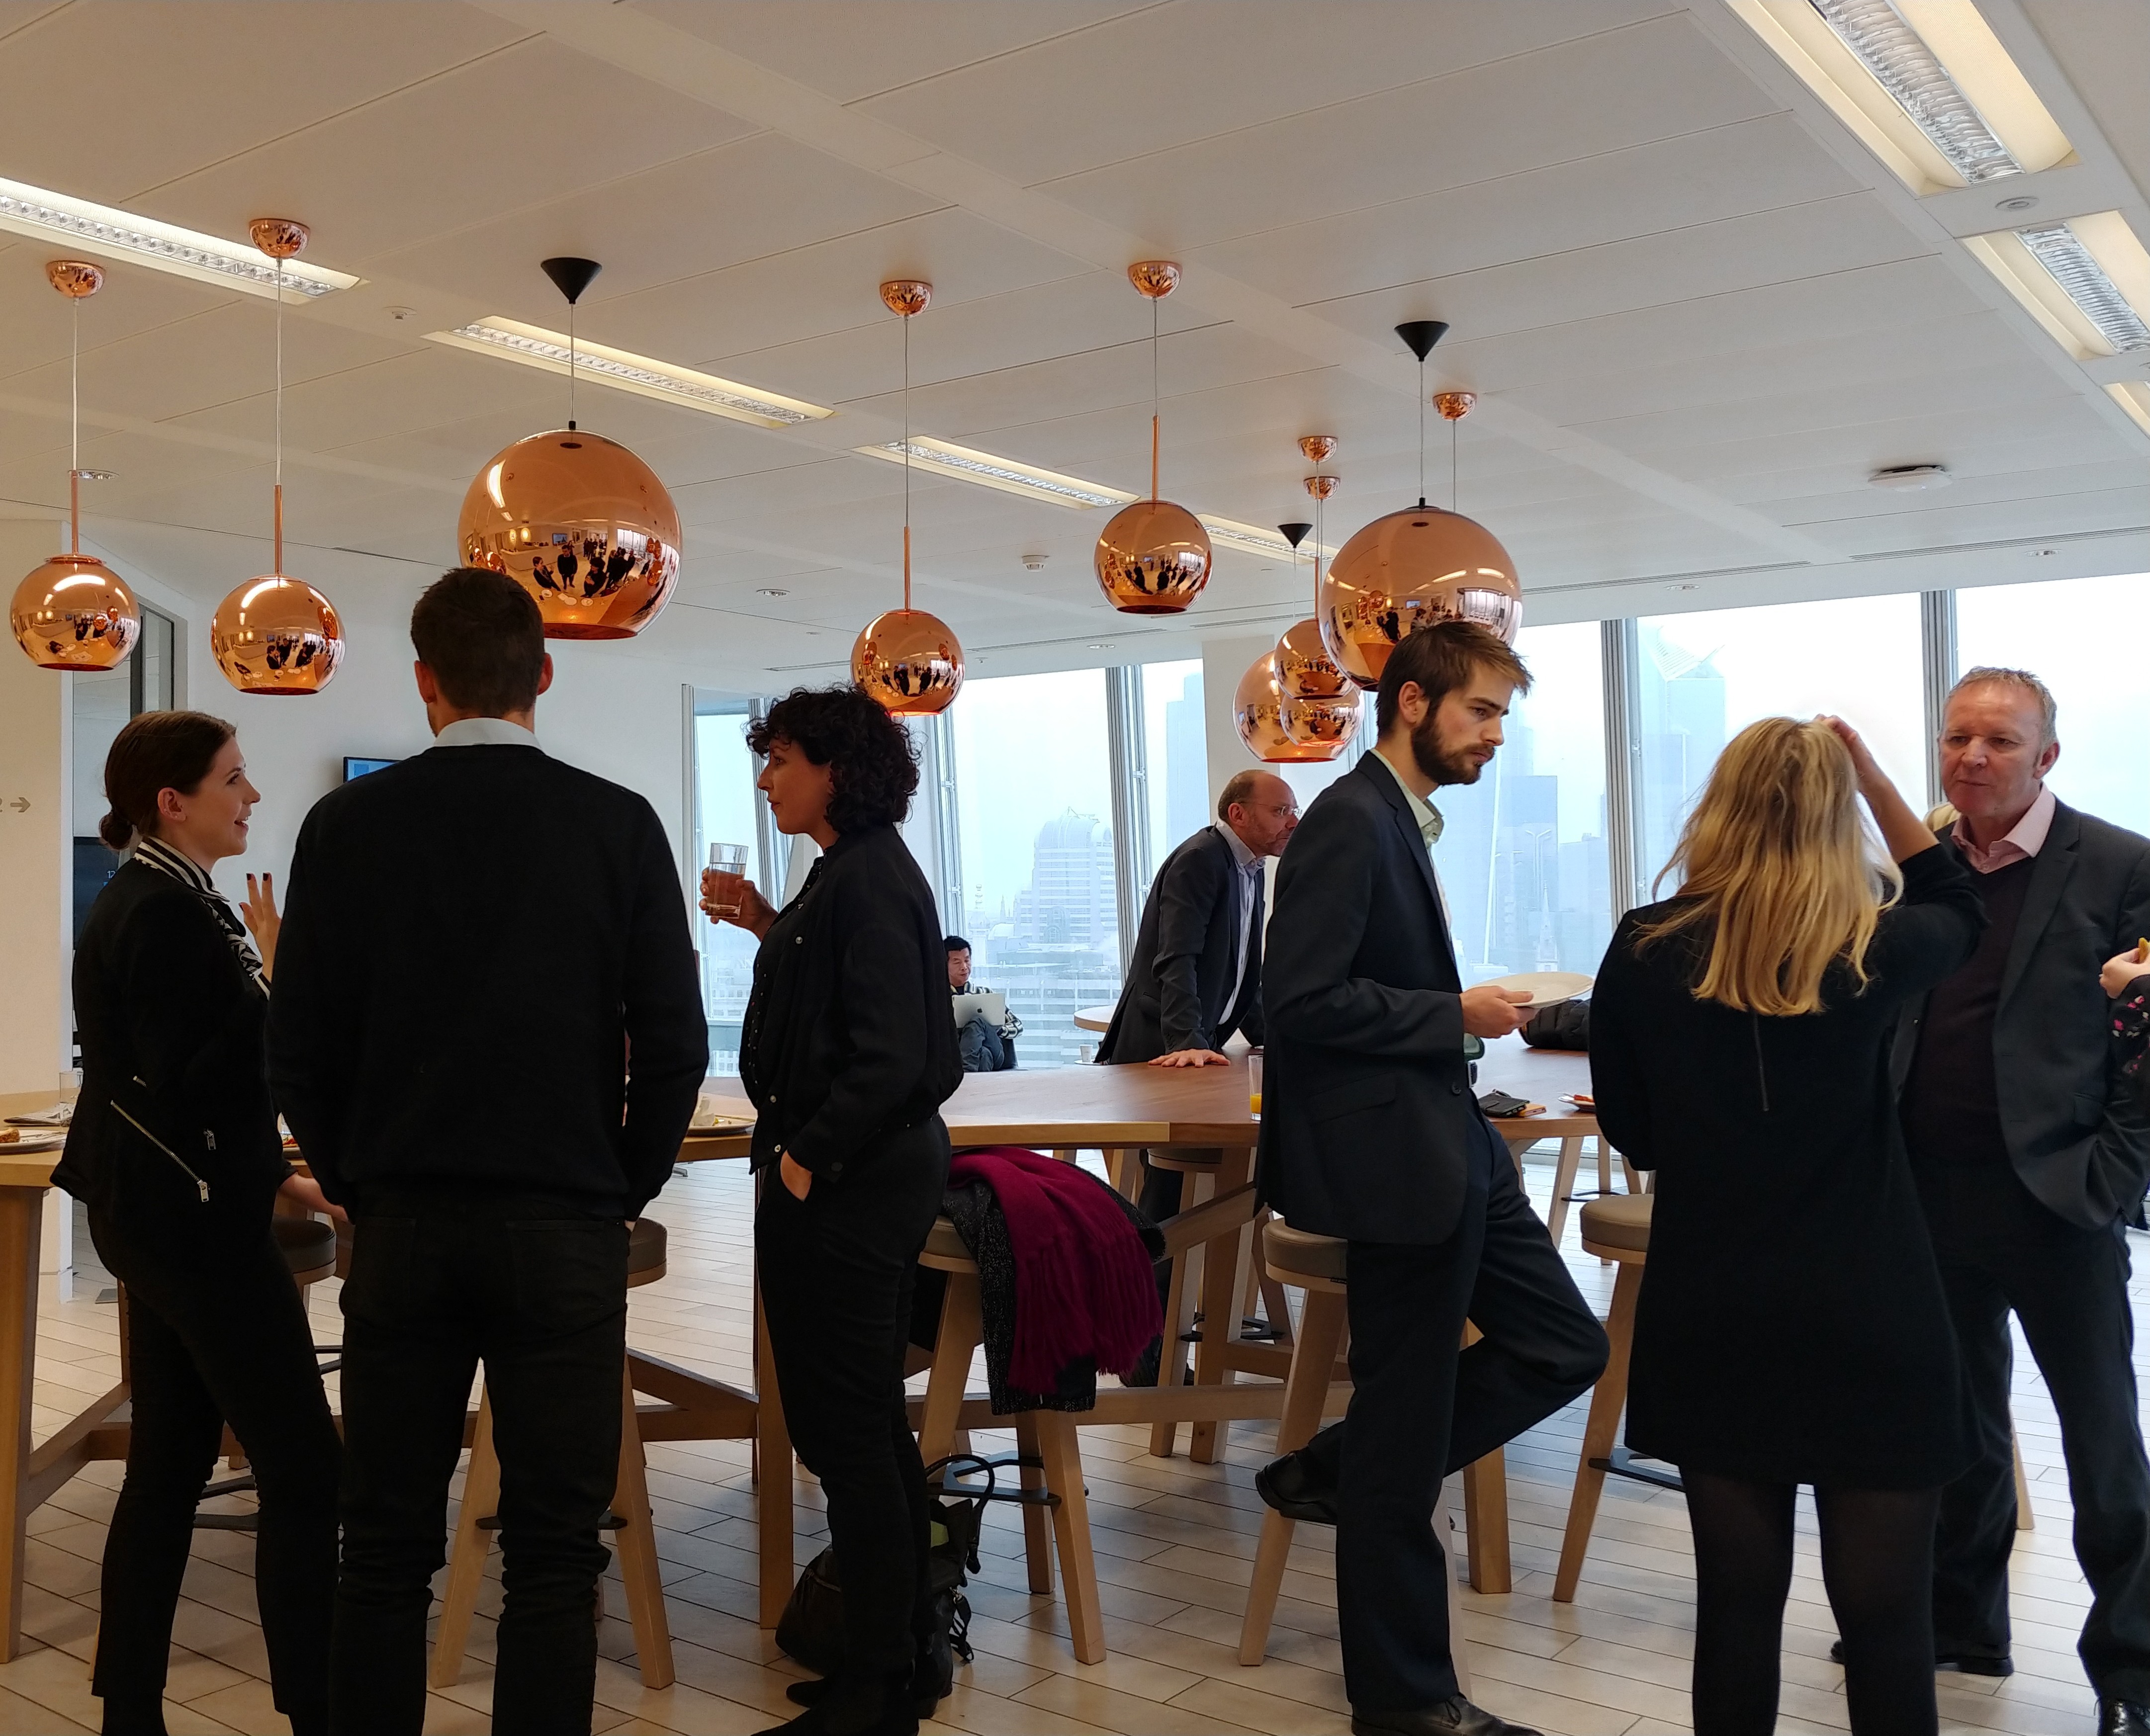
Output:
(1371, 1133)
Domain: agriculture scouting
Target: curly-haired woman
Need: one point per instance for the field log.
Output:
(848, 1053)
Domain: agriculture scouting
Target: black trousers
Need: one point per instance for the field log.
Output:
(1421, 1407)
(836, 1273)
(2001, 1250)
(215, 1333)
(440, 1282)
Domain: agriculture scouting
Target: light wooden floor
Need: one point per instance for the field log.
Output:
(1173, 1543)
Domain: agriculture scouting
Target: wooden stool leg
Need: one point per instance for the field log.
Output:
(1563, 1184)
(962, 1330)
(467, 1563)
(1071, 1529)
(1276, 1309)
(1606, 1402)
(1178, 1317)
(1486, 1515)
(1037, 1521)
(638, 1551)
(1224, 1261)
(1306, 1388)
(2025, 1519)
(1604, 1166)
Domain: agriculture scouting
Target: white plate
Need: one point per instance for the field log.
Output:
(30, 1142)
(722, 1124)
(1546, 988)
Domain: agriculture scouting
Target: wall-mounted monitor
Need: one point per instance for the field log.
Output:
(354, 767)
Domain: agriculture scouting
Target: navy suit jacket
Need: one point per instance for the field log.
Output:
(1368, 1110)
(1181, 975)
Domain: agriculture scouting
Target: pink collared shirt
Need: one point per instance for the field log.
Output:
(2024, 840)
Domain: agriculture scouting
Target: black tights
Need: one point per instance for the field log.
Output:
(1877, 1551)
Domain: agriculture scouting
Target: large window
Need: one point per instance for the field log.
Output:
(1700, 678)
(1034, 797)
(1176, 758)
(1522, 853)
(2083, 638)
(725, 813)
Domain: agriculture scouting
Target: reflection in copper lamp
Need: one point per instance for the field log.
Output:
(1154, 558)
(72, 611)
(1421, 565)
(576, 520)
(1260, 711)
(277, 634)
(906, 659)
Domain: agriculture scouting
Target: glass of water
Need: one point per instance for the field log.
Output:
(724, 882)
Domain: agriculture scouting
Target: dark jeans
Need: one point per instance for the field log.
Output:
(982, 1048)
(836, 1273)
(2000, 1250)
(215, 1333)
(440, 1282)
(1422, 1407)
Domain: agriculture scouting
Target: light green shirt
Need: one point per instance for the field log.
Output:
(1423, 811)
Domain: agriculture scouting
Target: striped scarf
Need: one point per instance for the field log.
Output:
(154, 853)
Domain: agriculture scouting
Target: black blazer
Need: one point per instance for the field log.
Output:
(485, 977)
(1181, 974)
(1367, 1109)
(2077, 1135)
(171, 1029)
(847, 1035)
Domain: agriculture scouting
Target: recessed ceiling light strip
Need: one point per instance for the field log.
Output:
(1898, 57)
(537, 347)
(2061, 252)
(33, 211)
(965, 465)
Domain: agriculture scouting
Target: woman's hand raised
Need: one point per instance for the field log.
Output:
(1903, 831)
(261, 919)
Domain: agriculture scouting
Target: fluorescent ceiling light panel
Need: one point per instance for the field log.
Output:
(115, 235)
(1254, 539)
(965, 465)
(534, 346)
(1926, 84)
(2086, 281)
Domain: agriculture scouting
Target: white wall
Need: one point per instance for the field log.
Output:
(34, 852)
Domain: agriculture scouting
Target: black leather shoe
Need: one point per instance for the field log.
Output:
(1288, 1484)
(2122, 1717)
(926, 1688)
(1452, 1717)
(1962, 1663)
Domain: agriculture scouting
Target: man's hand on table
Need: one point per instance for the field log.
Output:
(1192, 1057)
(1488, 1012)
(796, 1176)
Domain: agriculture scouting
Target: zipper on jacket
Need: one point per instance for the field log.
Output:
(1761, 1072)
(201, 1186)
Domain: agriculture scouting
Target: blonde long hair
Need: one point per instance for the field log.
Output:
(1778, 869)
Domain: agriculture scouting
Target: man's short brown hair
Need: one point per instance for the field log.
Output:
(481, 634)
(1438, 658)
(1239, 789)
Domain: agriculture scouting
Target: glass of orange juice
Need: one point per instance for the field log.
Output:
(1254, 1081)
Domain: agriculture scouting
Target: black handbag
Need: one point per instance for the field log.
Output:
(811, 1629)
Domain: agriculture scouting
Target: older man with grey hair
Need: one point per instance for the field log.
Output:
(2031, 1155)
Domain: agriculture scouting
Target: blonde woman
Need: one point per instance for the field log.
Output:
(1791, 1328)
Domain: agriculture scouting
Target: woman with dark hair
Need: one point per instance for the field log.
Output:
(173, 1147)
(848, 1053)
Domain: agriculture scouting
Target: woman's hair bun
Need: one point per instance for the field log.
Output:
(116, 830)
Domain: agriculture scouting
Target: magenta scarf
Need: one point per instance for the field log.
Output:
(1083, 1283)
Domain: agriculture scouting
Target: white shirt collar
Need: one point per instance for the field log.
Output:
(1243, 856)
(484, 732)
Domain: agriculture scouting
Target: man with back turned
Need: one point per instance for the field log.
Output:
(487, 1037)
(2031, 1153)
(1371, 1133)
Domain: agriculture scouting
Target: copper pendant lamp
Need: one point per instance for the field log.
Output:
(1420, 565)
(1304, 669)
(576, 520)
(908, 660)
(1154, 558)
(1263, 713)
(277, 634)
(72, 611)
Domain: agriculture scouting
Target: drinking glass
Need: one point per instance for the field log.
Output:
(724, 884)
(1254, 1081)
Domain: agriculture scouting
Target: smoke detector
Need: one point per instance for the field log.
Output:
(1911, 478)
(1033, 563)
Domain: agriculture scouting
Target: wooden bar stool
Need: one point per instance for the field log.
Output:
(479, 1517)
(1198, 1165)
(1316, 1265)
(1050, 1454)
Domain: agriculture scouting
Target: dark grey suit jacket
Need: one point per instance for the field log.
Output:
(2076, 1134)
(1366, 1099)
(1181, 975)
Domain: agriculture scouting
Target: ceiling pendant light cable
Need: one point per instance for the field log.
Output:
(74, 447)
(906, 464)
(279, 566)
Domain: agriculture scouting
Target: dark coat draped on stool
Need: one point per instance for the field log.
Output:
(1791, 1327)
